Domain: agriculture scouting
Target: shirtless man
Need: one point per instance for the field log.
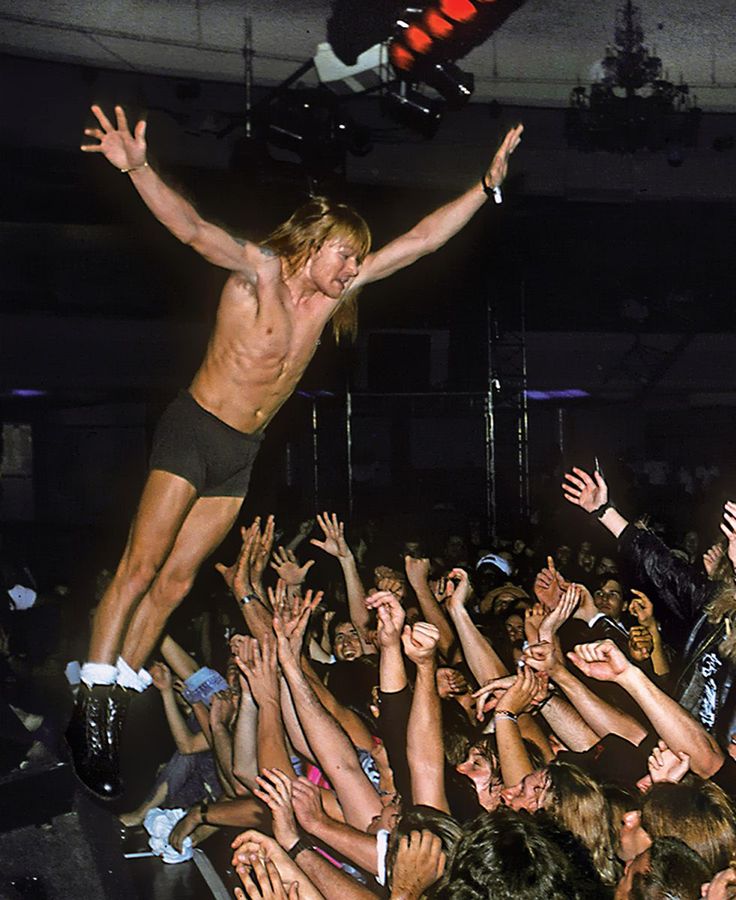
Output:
(272, 311)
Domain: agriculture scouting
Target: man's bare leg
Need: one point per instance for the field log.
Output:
(163, 508)
(207, 523)
(94, 728)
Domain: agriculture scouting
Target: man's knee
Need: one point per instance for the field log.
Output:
(170, 589)
(135, 576)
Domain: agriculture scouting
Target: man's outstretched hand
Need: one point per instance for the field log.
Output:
(500, 165)
(119, 147)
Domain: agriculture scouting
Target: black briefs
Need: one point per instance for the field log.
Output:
(214, 457)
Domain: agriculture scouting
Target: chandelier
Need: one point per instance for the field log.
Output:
(632, 106)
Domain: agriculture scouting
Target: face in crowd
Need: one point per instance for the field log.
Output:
(346, 644)
(609, 598)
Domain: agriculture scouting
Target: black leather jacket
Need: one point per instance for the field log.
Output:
(679, 590)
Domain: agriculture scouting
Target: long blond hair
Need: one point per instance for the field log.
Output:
(576, 801)
(305, 231)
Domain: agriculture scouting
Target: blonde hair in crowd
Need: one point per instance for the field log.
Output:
(576, 801)
(305, 231)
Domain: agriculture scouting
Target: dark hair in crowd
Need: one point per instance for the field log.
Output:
(510, 855)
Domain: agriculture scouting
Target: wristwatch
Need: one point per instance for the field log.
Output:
(294, 851)
(248, 598)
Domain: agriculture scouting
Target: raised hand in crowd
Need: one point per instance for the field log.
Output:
(252, 845)
(388, 579)
(287, 567)
(711, 558)
(589, 493)
(721, 887)
(162, 678)
(549, 585)
(260, 552)
(390, 616)
(601, 660)
(263, 882)
(420, 862)
(544, 657)
(664, 765)
(417, 571)
(533, 617)
(306, 800)
(645, 639)
(223, 709)
(641, 607)
(244, 576)
(457, 590)
(273, 787)
(641, 643)
(420, 642)
(564, 610)
(334, 541)
(259, 665)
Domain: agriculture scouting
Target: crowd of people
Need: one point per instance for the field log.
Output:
(457, 721)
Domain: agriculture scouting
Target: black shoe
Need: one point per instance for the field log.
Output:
(117, 711)
(88, 736)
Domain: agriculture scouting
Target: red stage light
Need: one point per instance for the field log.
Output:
(436, 24)
(417, 39)
(401, 58)
(458, 10)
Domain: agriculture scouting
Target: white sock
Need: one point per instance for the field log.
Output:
(98, 673)
(129, 678)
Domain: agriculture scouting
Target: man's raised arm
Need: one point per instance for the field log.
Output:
(438, 227)
(127, 152)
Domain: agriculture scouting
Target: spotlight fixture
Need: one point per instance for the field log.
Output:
(455, 86)
(444, 30)
(413, 109)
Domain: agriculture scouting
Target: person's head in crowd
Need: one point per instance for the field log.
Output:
(668, 870)
(502, 598)
(563, 557)
(691, 544)
(455, 551)
(698, 813)
(609, 597)
(424, 818)
(606, 565)
(344, 639)
(620, 801)
(509, 855)
(577, 802)
(482, 767)
(585, 558)
(491, 571)
(513, 622)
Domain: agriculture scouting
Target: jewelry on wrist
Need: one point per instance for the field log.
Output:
(248, 598)
(297, 848)
(506, 714)
(135, 168)
(490, 191)
(601, 510)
